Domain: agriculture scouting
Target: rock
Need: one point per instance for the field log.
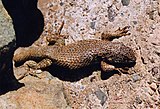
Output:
(85, 96)
(138, 100)
(153, 86)
(7, 47)
(150, 91)
(159, 89)
(36, 95)
(27, 19)
(155, 70)
(101, 96)
(136, 77)
(7, 34)
(125, 2)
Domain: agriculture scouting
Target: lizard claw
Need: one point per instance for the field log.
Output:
(121, 70)
(31, 73)
(123, 31)
(116, 34)
(31, 69)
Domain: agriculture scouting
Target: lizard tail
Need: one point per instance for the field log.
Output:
(24, 54)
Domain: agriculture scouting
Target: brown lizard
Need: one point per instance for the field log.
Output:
(111, 55)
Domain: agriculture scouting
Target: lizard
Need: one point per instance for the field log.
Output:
(111, 55)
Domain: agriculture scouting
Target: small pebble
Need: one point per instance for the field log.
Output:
(61, 3)
(159, 89)
(138, 100)
(150, 81)
(150, 91)
(155, 70)
(125, 2)
(135, 77)
(92, 25)
(38, 71)
(135, 22)
(155, 98)
(153, 86)
(101, 96)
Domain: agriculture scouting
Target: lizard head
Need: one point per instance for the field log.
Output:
(121, 56)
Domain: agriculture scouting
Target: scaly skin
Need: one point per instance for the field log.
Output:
(80, 54)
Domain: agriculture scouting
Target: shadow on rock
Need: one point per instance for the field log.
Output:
(107, 75)
(8, 82)
(27, 19)
(74, 75)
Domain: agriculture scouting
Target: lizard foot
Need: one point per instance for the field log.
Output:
(116, 34)
(107, 67)
(123, 31)
(29, 66)
(121, 71)
(32, 73)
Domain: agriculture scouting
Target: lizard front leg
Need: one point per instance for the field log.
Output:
(115, 34)
(107, 67)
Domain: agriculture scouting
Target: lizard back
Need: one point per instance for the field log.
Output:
(80, 53)
(85, 52)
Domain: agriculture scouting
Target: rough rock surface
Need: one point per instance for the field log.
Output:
(27, 20)
(7, 34)
(85, 20)
(44, 94)
(7, 47)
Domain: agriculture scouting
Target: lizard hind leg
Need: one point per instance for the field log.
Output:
(108, 35)
(40, 65)
(33, 67)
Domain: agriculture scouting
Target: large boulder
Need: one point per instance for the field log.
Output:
(7, 47)
(7, 38)
(27, 20)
